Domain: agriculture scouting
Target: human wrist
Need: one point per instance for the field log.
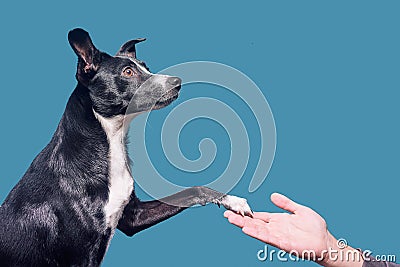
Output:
(340, 255)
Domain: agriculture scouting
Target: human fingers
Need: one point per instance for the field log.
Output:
(265, 216)
(258, 230)
(227, 213)
(284, 202)
(236, 219)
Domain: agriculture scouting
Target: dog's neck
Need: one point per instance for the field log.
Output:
(96, 153)
(81, 139)
(117, 125)
(85, 135)
(120, 178)
(116, 129)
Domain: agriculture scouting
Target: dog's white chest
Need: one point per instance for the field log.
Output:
(121, 181)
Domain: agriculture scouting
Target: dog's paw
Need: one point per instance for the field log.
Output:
(236, 204)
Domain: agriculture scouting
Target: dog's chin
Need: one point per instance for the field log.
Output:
(166, 100)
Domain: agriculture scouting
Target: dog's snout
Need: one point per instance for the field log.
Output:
(174, 81)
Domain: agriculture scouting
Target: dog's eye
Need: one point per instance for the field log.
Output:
(128, 72)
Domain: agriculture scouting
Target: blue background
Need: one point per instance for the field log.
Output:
(329, 69)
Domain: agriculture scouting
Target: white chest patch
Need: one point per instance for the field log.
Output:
(121, 181)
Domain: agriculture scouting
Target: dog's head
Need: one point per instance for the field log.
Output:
(116, 82)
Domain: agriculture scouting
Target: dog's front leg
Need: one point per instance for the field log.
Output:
(138, 215)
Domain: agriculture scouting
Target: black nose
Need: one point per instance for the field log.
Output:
(174, 81)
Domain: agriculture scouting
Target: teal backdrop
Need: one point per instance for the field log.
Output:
(330, 72)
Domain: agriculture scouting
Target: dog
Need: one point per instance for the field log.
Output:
(79, 189)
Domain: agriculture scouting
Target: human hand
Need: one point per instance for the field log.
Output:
(302, 229)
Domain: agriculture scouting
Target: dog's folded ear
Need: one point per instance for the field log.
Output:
(128, 49)
(88, 54)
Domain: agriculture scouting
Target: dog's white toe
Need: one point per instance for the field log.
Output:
(237, 204)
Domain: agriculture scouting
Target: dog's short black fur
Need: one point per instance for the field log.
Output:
(65, 209)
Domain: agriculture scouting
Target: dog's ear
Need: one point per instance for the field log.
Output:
(88, 54)
(128, 49)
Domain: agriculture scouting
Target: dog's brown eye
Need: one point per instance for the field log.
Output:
(128, 72)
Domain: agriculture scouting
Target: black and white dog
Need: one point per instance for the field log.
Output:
(79, 189)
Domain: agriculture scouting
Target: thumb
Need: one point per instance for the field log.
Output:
(284, 202)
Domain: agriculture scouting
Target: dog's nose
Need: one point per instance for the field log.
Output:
(174, 81)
